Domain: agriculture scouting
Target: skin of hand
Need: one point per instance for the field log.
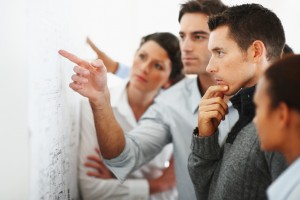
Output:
(111, 65)
(89, 79)
(92, 45)
(212, 109)
(100, 169)
(165, 182)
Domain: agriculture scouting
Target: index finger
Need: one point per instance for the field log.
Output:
(214, 91)
(74, 59)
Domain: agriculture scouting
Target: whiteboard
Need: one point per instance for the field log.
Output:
(53, 106)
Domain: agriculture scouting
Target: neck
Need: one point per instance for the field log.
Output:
(292, 150)
(139, 101)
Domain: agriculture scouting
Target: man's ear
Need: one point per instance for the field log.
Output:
(258, 50)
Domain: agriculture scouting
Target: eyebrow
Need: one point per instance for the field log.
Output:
(196, 32)
(217, 49)
(200, 32)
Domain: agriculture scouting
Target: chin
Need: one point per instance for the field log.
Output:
(188, 70)
(232, 92)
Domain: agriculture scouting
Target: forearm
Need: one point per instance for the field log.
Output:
(109, 189)
(157, 186)
(203, 161)
(110, 135)
(111, 65)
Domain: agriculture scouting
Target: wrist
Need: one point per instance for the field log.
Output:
(202, 132)
(154, 186)
(100, 99)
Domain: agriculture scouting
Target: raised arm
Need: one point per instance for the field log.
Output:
(90, 81)
(111, 65)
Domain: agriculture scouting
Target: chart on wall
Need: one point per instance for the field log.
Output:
(53, 106)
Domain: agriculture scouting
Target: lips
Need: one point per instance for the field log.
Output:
(141, 78)
(188, 58)
(219, 82)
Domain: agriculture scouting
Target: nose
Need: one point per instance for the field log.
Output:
(211, 67)
(186, 44)
(145, 67)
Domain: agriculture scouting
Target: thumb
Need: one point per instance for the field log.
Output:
(98, 65)
(219, 94)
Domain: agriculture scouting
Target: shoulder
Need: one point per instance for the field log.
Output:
(179, 90)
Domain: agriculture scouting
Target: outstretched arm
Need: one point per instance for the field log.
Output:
(90, 81)
(111, 65)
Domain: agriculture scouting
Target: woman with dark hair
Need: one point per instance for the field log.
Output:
(277, 119)
(156, 65)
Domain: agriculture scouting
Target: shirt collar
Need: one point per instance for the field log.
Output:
(194, 92)
(118, 94)
(282, 186)
(243, 101)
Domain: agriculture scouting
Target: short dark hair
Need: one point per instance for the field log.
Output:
(284, 82)
(170, 44)
(287, 50)
(207, 7)
(250, 22)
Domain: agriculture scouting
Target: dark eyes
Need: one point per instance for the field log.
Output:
(158, 66)
(194, 37)
(220, 53)
(142, 56)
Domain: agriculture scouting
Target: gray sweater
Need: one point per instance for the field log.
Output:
(238, 170)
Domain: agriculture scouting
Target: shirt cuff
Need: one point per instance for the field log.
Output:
(138, 189)
(205, 147)
(122, 71)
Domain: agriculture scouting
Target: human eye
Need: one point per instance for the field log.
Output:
(219, 53)
(158, 66)
(181, 36)
(142, 56)
(199, 37)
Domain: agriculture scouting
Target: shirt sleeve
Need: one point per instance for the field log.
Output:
(143, 143)
(122, 71)
(94, 188)
(203, 161)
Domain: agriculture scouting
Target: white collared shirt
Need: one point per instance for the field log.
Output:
(287, 185)
(136, 186)
(171, 119)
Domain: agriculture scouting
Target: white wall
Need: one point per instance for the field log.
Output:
(116, 27)
(14, 140)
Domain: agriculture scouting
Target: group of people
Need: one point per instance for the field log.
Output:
(228, 133)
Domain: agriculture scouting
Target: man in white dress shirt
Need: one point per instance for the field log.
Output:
(173, 115)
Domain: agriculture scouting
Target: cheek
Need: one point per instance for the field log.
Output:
(159, 78)
(135, 64)
(271, 141)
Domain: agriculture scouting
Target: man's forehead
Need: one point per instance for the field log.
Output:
(195, 19)
(194, 24)
(218, 35)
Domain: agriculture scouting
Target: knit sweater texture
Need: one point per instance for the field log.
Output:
(239, 170)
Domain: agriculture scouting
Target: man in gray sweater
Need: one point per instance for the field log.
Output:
(244, 41)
